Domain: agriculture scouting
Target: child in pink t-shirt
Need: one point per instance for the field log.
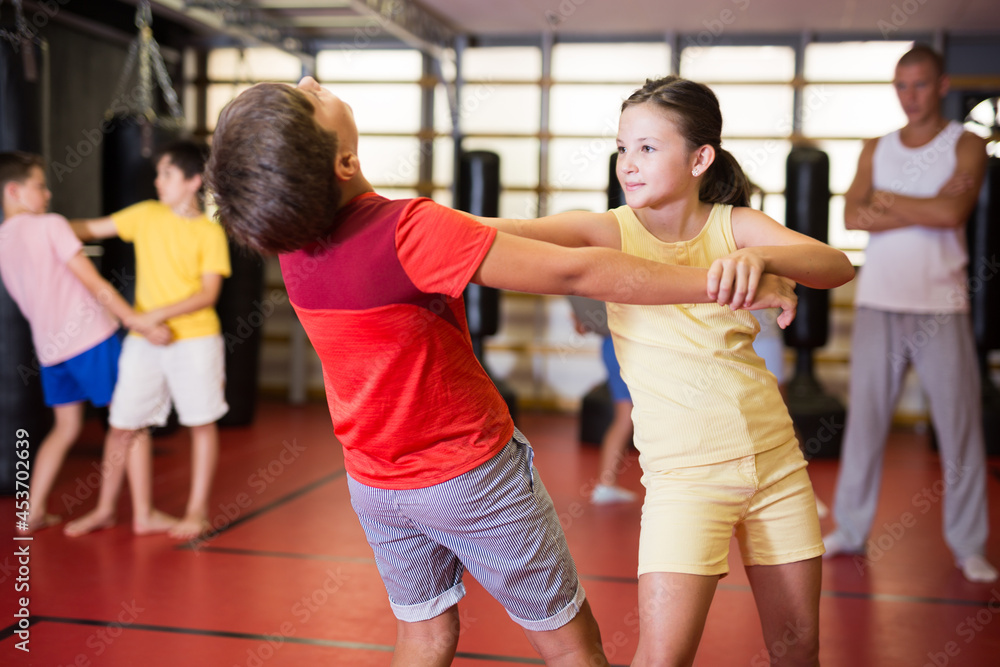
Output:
(66, 303)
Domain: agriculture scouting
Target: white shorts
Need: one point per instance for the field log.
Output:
(190, 372)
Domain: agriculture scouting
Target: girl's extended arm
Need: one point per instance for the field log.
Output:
(766, 246)
(527, 265)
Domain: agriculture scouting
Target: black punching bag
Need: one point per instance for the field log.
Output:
(242, 311)
(127, 175)
(597, 409)
(984, 294)
(818, 416)
(21, 404)
(479, 194)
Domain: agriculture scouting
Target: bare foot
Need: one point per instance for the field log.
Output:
(38, 523)
(189, 528)
(88, 523)
(156, 522)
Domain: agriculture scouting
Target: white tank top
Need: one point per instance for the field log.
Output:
(915, 269)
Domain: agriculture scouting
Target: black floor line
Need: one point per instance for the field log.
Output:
(285, 554)
(308, 488)
(251, 636)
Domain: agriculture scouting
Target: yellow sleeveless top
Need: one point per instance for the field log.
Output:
(700, 393)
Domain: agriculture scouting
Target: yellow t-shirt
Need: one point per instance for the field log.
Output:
(171, 255)
(701, 394)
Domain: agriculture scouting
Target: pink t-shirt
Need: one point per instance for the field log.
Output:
(65, 318)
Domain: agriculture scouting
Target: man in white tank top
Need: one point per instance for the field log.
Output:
(913, 191)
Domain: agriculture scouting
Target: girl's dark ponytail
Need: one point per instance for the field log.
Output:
(725, 182)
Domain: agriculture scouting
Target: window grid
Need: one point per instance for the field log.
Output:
(573, 142)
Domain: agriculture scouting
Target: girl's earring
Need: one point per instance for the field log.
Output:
(694, 172)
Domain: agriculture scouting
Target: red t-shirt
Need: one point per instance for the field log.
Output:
(381, 301)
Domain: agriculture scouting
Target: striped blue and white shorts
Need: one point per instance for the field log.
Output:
(496, 520)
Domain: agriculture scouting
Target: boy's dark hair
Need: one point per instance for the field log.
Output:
(694, 108)
(188, 156)
(922, 53)
(16, 166)
(271, 171)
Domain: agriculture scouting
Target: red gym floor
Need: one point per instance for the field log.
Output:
(288, 580)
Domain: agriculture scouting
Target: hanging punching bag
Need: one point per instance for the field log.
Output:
(127, 176)
(983, 231)
(242, 311)
(597, 409)
(478, 193)
(21, 404)
(616, 196)
(818, 416)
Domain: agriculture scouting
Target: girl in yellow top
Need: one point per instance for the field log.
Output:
(716, 444)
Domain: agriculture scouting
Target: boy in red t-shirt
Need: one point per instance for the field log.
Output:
(439, 476)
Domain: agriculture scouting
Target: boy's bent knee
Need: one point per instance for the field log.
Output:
(578, 642)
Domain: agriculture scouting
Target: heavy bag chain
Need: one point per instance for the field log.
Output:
(20, 32)
(145, 51)
(22, 40)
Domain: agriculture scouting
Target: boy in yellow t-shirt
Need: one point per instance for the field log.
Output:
(181, 259)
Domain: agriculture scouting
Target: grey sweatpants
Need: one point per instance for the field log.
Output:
(941, 349)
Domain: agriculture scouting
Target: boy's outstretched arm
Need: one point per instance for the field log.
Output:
(94, 229)
(109, 298)
(211, 285)
(572, 229)
(526, 265)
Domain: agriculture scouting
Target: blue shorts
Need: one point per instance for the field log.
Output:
(497, 520)
(619, 390)
(90, 375)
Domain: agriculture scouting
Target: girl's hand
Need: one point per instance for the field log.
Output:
(733, 280)
(776, 292)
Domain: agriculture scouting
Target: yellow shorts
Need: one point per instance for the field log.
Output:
(691, 514)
